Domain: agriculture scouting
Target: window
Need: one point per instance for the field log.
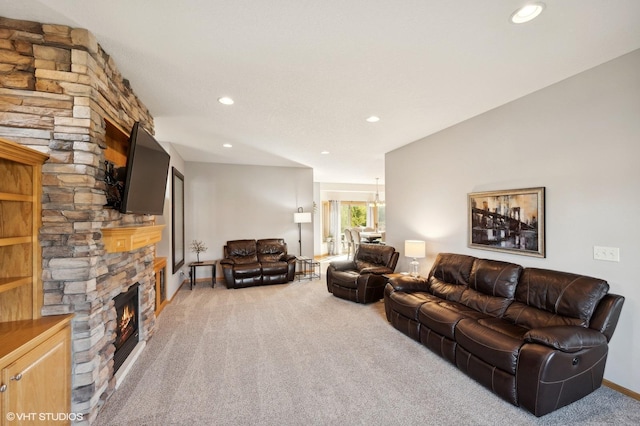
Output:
(352, 214)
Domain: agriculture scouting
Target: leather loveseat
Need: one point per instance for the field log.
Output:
(249, 263)
(361, 279)
(535, 337)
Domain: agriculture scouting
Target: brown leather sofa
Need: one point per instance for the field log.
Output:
(535, 337)
(360, 280)
(249, 263)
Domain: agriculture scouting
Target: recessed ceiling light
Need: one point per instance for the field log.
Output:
(227, 145)
(324, 152)
(225, 100)
(373, 119)
(527, 12)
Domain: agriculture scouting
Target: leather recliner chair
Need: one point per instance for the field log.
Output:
(361, 279)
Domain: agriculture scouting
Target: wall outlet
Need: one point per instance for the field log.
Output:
(610, 254)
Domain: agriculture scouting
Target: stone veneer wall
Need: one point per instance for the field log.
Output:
(56, 87)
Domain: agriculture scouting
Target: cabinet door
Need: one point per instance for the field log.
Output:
(40, 381)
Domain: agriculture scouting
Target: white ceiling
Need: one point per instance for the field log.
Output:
(305, 74)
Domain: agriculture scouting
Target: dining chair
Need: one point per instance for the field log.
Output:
(349, 240)
(355, 234)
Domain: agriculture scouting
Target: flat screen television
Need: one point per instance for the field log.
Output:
(146, 174)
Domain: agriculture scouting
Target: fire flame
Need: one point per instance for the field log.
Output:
(127, 316)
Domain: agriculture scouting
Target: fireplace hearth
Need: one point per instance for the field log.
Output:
(127, 330)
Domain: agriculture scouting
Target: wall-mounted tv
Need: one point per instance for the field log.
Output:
(146, 175)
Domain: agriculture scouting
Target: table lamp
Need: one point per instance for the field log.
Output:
(416, 250)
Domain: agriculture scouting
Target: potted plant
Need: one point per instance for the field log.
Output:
(198, 247)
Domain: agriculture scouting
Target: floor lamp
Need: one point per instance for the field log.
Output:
(301, 217)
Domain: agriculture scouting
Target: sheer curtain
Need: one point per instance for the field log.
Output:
(370, 215)
(334, 226)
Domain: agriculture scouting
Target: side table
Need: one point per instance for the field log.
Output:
(194, 265)
(308, 268)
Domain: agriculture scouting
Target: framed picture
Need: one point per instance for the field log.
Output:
(177, 219)
(508, 221)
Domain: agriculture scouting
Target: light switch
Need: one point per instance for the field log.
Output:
(610, 254)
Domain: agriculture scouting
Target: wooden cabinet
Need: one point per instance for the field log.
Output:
(35, 370)
(35, 351)
(160, 270)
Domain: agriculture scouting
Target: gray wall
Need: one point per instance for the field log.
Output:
(580, 139)
(231, 202)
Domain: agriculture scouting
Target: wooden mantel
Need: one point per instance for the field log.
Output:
(127, 238)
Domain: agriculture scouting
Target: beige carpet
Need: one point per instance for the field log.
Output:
(293, 354)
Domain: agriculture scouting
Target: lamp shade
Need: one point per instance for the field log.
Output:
(414, 248)
(302, 217)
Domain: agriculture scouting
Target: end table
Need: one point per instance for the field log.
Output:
(194, 265)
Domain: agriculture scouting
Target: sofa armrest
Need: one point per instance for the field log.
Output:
(288, 258)
(409, 284)
(566, 338)
(227, 261)
(343, 265)
(377, 270)
(606, 315)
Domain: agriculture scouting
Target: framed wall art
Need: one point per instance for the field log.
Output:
(509, 221)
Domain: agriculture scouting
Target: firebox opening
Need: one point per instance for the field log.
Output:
(127, 331)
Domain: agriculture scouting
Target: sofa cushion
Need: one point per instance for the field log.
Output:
(490, 305)
(452, 268)
(247, 270)
(445, 290)
(242, 251)
(271, 250)
(274, 268)
(495, 278)
(504, 327)
(443, 318)
(530, 317)
(347, 278)
(561, 293)
(270, 257)
(408, 304)
(566, 338)
(493, 347)
(372, 255)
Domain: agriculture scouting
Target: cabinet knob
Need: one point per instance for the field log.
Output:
(17, 377)
(3, 388)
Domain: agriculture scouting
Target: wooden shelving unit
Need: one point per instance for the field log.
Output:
(20, 189)
(35, 351)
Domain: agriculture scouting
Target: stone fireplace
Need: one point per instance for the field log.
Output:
(60, 93)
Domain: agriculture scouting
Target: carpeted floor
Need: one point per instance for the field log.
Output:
(293, 354)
